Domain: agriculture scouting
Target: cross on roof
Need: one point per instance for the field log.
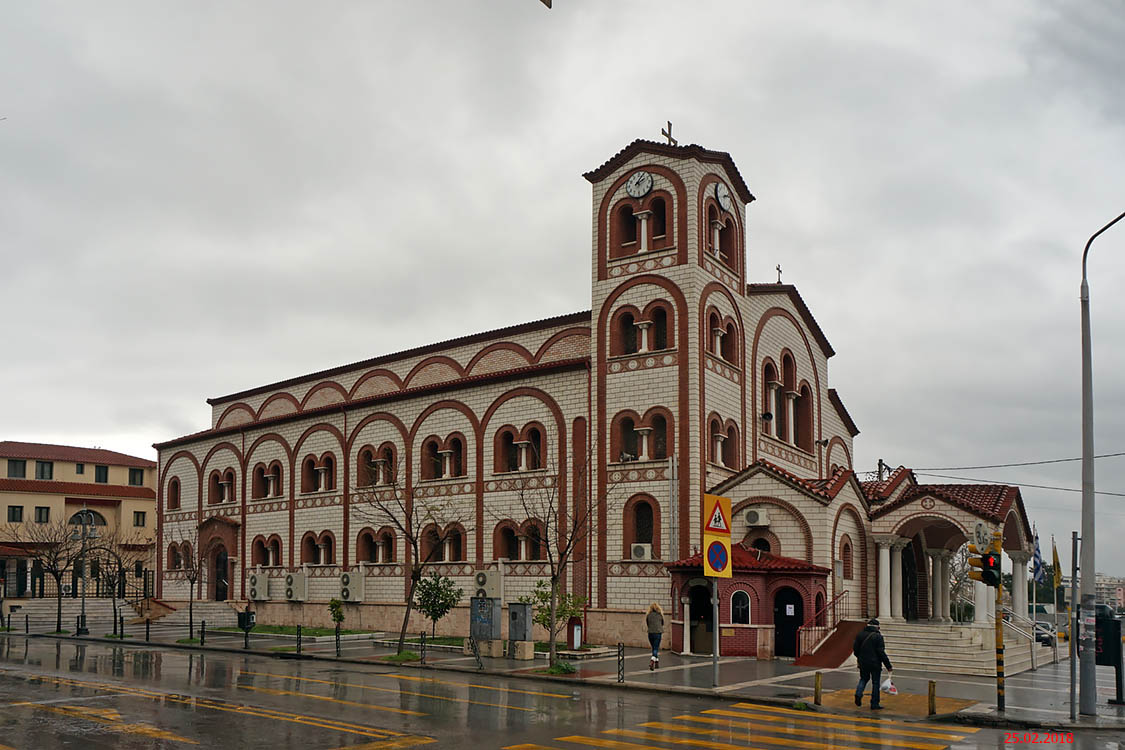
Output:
(668, 134)
(778, 273)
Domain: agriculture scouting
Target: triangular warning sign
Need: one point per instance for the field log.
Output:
(718, 524)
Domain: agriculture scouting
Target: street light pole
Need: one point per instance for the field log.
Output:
(1088, 697)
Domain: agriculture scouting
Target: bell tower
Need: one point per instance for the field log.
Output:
(668, 281)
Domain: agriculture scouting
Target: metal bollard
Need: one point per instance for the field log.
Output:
(337, 640)
(422, 640)
(148, 634)
(298, 639)
(202, 633)
(817, 688)
(620, 662)
(26, 624)
(78, 625)
(115, 626)
(246, 640)
(121, 627)
(933, 698)
(475, 648)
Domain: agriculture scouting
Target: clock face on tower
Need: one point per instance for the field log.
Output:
(722, 195)
(639, 184)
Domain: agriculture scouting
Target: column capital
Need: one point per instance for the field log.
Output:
(936, 553)
(1018, 556)
(642, 215)
(901, 543)
(885, 540)
(946, 554)
(643, 323)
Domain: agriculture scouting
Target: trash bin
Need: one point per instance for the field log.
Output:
(574, 633)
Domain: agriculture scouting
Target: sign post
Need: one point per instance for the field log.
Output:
(717, 564)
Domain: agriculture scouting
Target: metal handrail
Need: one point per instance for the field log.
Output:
(815, 634)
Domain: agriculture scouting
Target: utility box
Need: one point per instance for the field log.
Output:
(1107, 642)
(519, 622)
(246, 620)
(485, 619)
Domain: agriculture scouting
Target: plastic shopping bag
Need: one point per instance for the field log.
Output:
(888, 687)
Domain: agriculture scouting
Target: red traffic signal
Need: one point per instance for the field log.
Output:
(987, 567)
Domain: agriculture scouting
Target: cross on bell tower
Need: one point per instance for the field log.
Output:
(668, 134)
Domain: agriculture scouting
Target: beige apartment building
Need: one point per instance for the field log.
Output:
(40, 485)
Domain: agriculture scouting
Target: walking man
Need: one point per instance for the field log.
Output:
(871, 654)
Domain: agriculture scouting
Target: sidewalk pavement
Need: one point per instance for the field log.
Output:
(1035, 699)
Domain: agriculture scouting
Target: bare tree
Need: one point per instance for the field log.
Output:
(960, 585)
(423, 523)
(54, 547)
(565, 531)
(192, 559)
(123, 549)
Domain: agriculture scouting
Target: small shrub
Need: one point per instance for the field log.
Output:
(562, 667)
(403, 656)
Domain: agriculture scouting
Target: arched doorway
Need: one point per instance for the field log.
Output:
(221, 569)
(788, 615)
(701, 623)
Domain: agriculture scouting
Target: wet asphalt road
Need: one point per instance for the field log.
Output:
(60, 694)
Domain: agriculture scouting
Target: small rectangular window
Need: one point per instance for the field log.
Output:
(44, 470)
(15, 514)
(136, 477)
(138, 518)
(80, 468)
(101, 474)
(42, 514)
(17, 468)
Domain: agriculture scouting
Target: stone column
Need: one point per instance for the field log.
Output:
(522, 539)
(980, 603)
(645, 344)
(791, 417)
(716, 228)
(643, 434)
(945, 588)
(320, 554)
(771, 426)
(935, 584)
(686, 602)
(380, 552)
(271, 488)
(717, 447)
(643, 217)
(321, 478)
(884, 543)
(446, 464)
(447, 550)
(522, 446)
(1019, 560)
(896, 578)
(717, 341)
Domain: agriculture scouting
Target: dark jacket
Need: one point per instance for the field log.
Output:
(870, 649)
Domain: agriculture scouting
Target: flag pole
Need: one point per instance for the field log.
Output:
(1035, 575)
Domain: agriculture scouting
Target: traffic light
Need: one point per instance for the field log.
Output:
(987, 566)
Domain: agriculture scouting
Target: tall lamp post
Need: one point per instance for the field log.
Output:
(1088, 697)
(82, 534)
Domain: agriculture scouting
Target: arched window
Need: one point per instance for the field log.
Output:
(174, 494)
(175, 561)
(365, 548)
(627, 333)
(259, 555)
(714, 337)
(387, 539)
(274, 473)
(730, 448)
(390, 462)
(846, 557)
(214, 488)
(740, 608)
(309, 554)
(628, 440)
(310, 477)
(229, 491)
(431, 460)
(456, 541)
(659, 221)
(781, 406)
(274, 548)
(727, 244)
(770, 384)
(505, 543)
(535, 457)
(642, 522)
(534, 542)
(659, 330)
(186, 559)
(717, 438)
(761, 543)
(507, 456)
(457, 459)
(803, 422)
(820, 614)
(729, 348)
(328, 470)
(431, 548)
(640, 525)
(365, 472)
(626, 231)
(328, 549)
(92, 517)
(258, 482)
(659, 436)
(712, 217)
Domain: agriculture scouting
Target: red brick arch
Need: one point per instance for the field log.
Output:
(278, 397)
(806, 530)
(389, 375)
(861, 542)
(329, 385)
(837, 442)
(230, 410)
(678, 210)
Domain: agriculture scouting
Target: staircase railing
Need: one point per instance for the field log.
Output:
(821, 624)
(1026, 628)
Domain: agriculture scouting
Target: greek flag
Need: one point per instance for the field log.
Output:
(1037, 573)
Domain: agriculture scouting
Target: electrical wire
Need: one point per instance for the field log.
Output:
(1024, 463)
(1016, 484)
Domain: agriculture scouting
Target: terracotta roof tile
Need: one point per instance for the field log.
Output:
(48, 452)
(879, 491)
(75, 488)
(745, 559)
(826, 489)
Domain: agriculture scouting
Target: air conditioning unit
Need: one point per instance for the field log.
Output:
(295, 586)
(488, 584)
(351, 586)
(257, 587)
(757, 517)
(640, 551)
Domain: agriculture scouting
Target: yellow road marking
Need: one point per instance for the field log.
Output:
(525, 746)
(144, 730)
(808, 732)
(270, 691)
(784, 741)
(395, 691)
(258, 711)
(394, 744)
(610, 744)
(698, 743)
(474, 685)
(837, 721)
(958, 729)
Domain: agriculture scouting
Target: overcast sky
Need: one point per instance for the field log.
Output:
(192, 194)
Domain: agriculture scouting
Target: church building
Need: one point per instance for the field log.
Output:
(683, 378)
